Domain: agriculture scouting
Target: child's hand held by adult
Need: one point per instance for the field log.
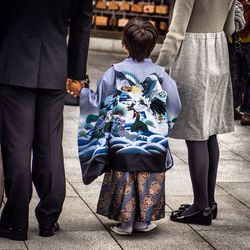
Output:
(74, 87)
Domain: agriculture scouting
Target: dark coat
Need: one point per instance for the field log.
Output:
(1, 179)
(33, 47)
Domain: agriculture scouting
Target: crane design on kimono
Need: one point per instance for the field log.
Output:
(158, 106)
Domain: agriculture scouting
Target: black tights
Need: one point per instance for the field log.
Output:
(203, 158)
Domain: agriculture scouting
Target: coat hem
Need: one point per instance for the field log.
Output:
(204, 138)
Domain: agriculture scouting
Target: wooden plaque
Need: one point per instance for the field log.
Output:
(113, 5)
(149, 9)
(101, 21)
(122, 22)
(100, 5)
(162, 9)
(137, 8)
(124, 6)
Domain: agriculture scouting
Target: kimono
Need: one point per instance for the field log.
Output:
(123, 131)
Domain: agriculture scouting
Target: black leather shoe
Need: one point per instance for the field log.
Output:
(13, 234)
(203, 217)
(180, 209)
(214, 208)
(48, 230)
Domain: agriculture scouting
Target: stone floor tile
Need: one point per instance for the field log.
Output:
(73, 175)
(227, 238)
(84, 240)
(70, 192)
(72, 163)
(238, 190)
(167, 235)
(238, 142)
(6, 244)
(233, 171)
(76, 216)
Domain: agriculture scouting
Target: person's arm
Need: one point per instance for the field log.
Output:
(173, 105)
(229, 27)
(80, 27)
(90, 101)
(239, 17)
(177, 30)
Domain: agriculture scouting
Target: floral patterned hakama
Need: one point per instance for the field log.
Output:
(130, 197)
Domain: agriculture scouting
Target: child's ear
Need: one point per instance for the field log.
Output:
(125, 49)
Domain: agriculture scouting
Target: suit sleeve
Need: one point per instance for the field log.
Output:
(177, 30)
(229, 26)
(1, 19)
(80, 27)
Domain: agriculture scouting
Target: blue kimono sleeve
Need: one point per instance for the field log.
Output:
(173, 105)
(92, 136)
(90, 101)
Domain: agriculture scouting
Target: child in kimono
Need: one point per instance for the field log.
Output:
(128, 119)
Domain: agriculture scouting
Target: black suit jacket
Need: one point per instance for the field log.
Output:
(33, 47)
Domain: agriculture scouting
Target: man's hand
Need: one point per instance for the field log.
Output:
(74, 87)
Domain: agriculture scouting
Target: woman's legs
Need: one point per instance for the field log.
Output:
(214, 154)
(198, 158)
(203, 158)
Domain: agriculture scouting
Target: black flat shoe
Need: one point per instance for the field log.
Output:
(180, 209)
(13, 234)
(214, 208)
(48, 230)
(203, 217)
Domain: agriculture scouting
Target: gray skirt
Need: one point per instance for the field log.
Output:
(201, 71)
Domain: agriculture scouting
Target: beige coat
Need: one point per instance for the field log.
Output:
(196, 16)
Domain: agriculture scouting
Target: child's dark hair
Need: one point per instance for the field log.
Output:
(139, 38)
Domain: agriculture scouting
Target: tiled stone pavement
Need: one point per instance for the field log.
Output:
(83, 229)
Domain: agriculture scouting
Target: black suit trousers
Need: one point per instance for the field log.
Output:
(32, 125)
